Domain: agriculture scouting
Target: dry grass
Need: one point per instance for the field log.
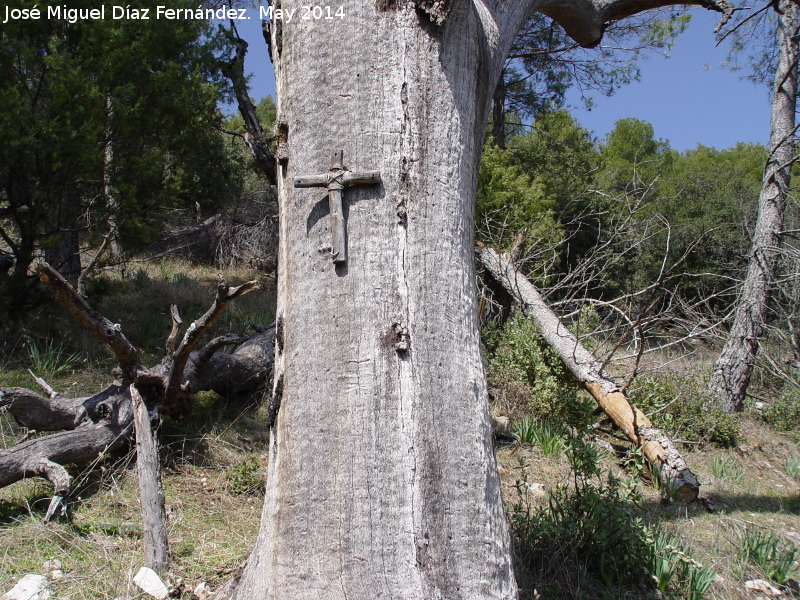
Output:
(100, 548)
(765, 498)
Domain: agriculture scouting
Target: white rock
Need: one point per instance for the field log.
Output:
(150, 583)
(760, 585)
(202, 590)
(536, 489)
(30, 587)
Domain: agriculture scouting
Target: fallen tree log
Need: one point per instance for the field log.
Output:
(103, 425)
(90, 427)
(633, 423)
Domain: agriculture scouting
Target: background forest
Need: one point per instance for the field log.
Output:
(124, 167)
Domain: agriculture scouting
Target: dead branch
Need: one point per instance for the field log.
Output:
(151, 492)
(93, 263)
(586, 368)
(90, 319)
(225, 294)
(91, 426)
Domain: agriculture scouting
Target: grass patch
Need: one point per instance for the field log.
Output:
(727, 469)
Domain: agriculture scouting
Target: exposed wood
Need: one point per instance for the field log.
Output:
(51, 393)
(633, 423)
(90, 319)
(151, 492)
(88, 427)
(239, 373)
(176, 329)
(107, 428)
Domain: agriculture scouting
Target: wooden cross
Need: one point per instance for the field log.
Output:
(336, 179)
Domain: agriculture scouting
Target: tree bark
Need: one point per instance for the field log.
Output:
(732, 371)
(633, 423)
(499, 113)
(382, 480)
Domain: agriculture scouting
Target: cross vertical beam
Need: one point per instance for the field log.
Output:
(336, 180)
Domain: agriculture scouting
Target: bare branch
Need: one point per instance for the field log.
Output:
(127, 356)
(225, 294)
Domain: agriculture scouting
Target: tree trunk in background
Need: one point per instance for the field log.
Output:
(499, 113)
(734, 366)
(63, 245)
(382, 480)
(112, 203)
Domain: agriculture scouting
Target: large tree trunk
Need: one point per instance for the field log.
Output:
(382, 480)
(631, 421)
(733, 368)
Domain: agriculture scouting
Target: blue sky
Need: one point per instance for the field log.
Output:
(689, 98)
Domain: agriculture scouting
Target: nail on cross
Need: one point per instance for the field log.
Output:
(336, 179)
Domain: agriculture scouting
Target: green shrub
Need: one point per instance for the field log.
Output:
(683, 408)
(766, 551)
(587, 525)
(247, 477)
(530, 374)
(783, 413)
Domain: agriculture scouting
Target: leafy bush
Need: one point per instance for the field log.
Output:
(247, 477)
(783, 413)
(683, 408)
(586, 525)
(530, 374)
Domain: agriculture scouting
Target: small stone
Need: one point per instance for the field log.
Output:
(150, 583)
(52, 564)
(536, 489)
(30, 587)
(202, 591)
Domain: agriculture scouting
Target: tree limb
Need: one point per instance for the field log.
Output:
(587, 370)
(254, 135)
(585, 21)
(90, 319)
(225, 294)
